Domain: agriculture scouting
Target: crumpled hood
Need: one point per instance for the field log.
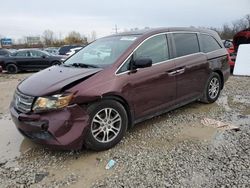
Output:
(53, 79)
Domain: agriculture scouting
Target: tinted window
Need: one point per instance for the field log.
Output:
(22, 54)
(154, 48)
(209, 44)
(36, 54)
(186, 43)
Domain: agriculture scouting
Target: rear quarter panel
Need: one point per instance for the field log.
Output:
(218, 61)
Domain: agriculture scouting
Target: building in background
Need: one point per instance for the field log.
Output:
(33, 40)
(6, 42)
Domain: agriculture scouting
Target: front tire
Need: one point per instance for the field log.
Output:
(108, 124)
(12, 68)
(212, 89)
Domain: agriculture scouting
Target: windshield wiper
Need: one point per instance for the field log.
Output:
(82, 65)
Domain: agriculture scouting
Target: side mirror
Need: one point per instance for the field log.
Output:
(43, 56)
(142, 63)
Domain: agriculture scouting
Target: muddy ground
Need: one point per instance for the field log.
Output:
(176, 149)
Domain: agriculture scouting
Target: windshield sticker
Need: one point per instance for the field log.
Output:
(128, 38)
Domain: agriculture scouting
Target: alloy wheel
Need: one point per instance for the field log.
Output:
(214, 88)
(106, 125)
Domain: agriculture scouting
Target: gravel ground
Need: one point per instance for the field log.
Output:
(222, 161)
(172, 150)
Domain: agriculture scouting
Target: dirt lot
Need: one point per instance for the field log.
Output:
(183, 148)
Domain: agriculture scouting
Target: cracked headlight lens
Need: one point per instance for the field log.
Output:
(52, 102)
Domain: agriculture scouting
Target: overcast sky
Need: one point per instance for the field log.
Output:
(20, 18)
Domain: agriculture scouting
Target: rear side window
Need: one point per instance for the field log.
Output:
(22, 54)
(36, 54)
(154, 48)
(186, 43)
(208, 43)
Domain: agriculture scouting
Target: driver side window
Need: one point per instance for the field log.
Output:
(155, 48)
(36, 54)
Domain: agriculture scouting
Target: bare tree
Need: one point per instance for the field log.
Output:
(229, 30)
(48, 37)
(247, 17)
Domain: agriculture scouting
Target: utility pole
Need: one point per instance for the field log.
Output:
(116, 29)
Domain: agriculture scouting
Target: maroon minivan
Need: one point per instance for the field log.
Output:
(116, 82)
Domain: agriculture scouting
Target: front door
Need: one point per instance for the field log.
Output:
(39, 60)
(153, 89)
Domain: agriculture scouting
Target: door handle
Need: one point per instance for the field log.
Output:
(172, 73)
(180, 71)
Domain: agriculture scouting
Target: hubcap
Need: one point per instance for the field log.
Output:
(106, 125)
(214, 88)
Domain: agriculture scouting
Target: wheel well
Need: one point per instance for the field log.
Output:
(124, 104)
(221, 77)
(8, 63)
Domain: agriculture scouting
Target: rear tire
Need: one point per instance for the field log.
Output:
(212, 89)
(12, 68)
(108, 124)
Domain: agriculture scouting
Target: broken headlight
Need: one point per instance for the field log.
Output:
(52, 102)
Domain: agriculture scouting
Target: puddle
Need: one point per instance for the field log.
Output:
(12, 143)
(246, 111)
(197, 132)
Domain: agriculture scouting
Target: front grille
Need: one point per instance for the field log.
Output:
(22, 102)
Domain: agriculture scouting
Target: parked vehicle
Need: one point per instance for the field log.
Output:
(52, 50)
(73, 51)
(29, 60)
(92, 99)
(65, 49)
(4, 52)
(242, 37)
(228, 44)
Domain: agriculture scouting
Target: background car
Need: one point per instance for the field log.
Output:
(228, 44)
(65, 49)
(29, 60)
(242, 37)
(52, 50)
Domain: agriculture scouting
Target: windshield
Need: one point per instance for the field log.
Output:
(102, 52)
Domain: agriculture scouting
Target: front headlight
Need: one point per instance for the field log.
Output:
(52, 102)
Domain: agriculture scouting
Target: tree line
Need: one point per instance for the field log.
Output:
(49, 38)
(229, 30)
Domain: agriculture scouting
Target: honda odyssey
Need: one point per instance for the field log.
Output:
(117, 81)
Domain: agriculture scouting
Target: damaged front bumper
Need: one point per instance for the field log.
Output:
(64, 129)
